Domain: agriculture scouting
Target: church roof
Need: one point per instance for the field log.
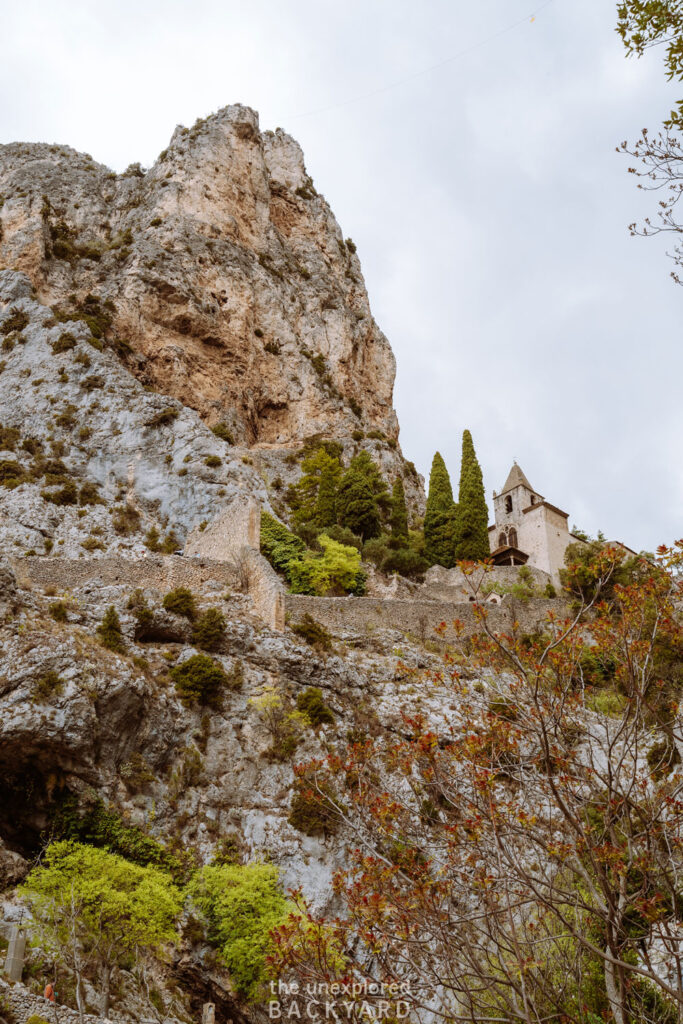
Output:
(516, 478)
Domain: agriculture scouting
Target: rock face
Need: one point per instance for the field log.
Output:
(224, 274)
(88, 456)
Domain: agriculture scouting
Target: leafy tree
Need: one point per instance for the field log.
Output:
(472, 515)
(439, 516)
(642, 25)
(399, 512)
(530, 870)
(242, 904)
(336, 570)
(93, 908)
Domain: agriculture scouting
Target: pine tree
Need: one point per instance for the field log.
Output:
(472, 516)
(399, 512)
(439, 514)
(326, 503)
(357, 504)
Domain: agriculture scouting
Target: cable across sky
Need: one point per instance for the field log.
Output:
(527, 19)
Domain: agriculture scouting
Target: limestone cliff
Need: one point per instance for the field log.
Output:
(225, 277)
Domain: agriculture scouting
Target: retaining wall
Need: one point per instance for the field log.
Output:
(163, 572)
(418, 618)
(24, 1004)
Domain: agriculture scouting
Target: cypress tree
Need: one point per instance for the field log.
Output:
(357, 505)
(439, 512)
(325, 505)
(472, 516)
(399, 512)
(307, 489)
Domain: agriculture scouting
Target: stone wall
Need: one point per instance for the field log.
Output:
(418, 618)
(265, 589)
(163, 572)
(237, 527)
(452, 585)
(24, 1004)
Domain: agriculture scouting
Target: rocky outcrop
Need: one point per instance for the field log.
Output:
(90, 459)
(229, 283)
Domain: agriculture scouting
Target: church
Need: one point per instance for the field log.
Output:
(528, 530)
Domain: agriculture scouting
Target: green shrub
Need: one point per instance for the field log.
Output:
(59, 611)
(93, 544)
(109, 631)
(164, 417)
(94, 382)
(343, 535)
(213, 461)
(278, 544)
(8, 438)
(35, 1018)
(152, 539)
(202, 680)
(313, 812)
(223, 431)
(66, 495)
(180, 602)
(16, 321)
(125, 520)
(310, 702)
(406, 562)
(11, 474)
(67, 417)
(64, 343)
(88, 495)
(49, 685)
(242, 904)
(336, 571)
(170, 543)
(209, 630)
(313, 632)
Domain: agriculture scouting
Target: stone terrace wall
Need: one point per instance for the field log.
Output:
(163, 572)
(24, 1004)
(265, 589)
(417, 618)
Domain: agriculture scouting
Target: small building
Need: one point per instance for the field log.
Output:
(528, 530)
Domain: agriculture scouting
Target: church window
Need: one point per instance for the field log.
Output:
(502, 540)
(512, 537)
(508, 504)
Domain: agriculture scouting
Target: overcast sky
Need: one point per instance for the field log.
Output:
(485, 196)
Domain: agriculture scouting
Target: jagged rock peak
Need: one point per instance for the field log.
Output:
(229, 279)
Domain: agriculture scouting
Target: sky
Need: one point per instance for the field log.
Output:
(470, 152)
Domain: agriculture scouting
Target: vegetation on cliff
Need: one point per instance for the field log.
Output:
(531, 865)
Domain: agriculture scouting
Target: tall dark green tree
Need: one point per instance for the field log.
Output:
(357, 506)
(326, 502)
(399, 512)
(439, 516)
(472, 515)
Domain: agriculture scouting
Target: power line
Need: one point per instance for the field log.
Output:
(527, 19)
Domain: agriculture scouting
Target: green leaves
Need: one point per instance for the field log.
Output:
(87, 901)
(242, 904)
